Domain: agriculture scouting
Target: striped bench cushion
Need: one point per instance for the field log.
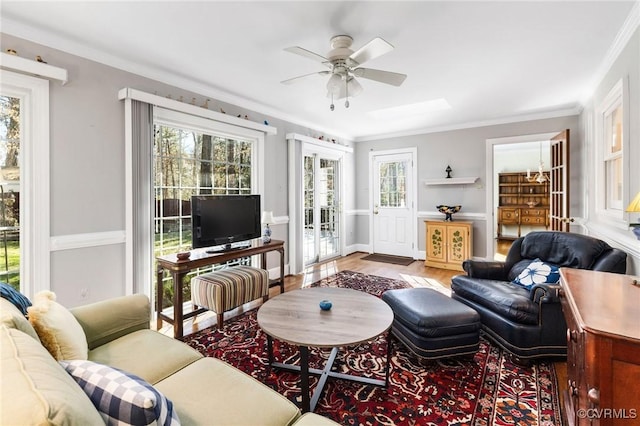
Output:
(223, 290)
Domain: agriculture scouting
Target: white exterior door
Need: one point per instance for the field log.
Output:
(393, 204)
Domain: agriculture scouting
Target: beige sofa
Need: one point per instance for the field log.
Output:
(36, 389)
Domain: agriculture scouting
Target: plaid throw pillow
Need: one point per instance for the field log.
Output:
(121, 398)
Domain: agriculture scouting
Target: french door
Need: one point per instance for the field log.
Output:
(559, 213)
(321, 208)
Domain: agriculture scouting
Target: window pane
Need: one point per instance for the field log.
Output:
(10, 191)
(392, 184)
(614, 130)
(614, 183)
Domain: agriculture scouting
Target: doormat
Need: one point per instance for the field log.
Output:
(387, 258)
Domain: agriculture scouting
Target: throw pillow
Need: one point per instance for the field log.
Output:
(19, 300)
(58, 330)
(538, 272)
(121, 398)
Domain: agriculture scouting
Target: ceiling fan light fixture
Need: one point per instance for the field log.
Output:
(334, 83)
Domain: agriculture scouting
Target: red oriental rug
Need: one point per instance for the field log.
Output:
(484, 390)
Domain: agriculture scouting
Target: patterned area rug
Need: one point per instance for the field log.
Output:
(484, 390)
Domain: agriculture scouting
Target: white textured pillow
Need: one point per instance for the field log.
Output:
(59, 331)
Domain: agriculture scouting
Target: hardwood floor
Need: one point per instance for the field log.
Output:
(352, 262)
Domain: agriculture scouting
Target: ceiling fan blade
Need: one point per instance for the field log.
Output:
(387, 77)
(294, 79)
(373, 49)
(308, 54)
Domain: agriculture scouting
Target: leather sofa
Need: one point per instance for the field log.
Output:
(528, 322)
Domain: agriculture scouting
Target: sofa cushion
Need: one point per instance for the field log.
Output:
(18, 299)
(35, 389)
(504, 298)
(120, 397)
(12, 317)
(232, 397)
(147, 354)
(58, 330)
(537, 272)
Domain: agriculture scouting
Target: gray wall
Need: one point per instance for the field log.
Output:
(465, 151)
(87, 168)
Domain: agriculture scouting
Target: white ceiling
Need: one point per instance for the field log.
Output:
(492, 62)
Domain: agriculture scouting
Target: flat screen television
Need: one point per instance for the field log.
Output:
(223, 220)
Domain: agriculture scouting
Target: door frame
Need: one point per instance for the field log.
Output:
(490, 179)
(338, 188)
(413, 153)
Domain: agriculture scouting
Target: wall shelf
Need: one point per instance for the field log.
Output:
(29, 66)
(451, 181)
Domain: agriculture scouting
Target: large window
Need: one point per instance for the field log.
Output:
(188, 160)
(24, 182)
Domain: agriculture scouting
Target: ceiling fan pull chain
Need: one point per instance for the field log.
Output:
(332, 107)
(346, 91)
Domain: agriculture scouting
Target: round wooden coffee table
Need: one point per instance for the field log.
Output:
(295, 317)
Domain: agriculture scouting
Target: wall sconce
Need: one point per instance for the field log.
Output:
(634, 207)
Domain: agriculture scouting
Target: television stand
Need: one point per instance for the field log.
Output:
(226, 248)
(179, 268)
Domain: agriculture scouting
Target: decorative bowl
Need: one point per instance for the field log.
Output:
(448, 211)
(184, 255)
(325, 305)
(532, 203)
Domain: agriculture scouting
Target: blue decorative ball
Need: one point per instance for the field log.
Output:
(325, 305)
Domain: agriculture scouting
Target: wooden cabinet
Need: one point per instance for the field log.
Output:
(521, 203)
(448, 243)
(603, 347)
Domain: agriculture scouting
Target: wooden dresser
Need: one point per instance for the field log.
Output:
(448, 243)
(521, 203)
(602, 311)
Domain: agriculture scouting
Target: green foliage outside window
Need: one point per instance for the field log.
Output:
(189, 163)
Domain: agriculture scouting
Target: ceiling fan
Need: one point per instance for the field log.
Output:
(344, 67)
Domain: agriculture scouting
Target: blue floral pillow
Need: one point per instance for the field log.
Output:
(538, 272)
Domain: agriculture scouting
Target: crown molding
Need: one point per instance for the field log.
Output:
(622, 38)
(471, 125)
(74, 47)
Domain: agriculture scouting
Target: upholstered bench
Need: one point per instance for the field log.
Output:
(431, 324)
(226, 289)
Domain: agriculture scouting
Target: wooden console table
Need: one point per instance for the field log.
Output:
(200, 258)
(603, 347)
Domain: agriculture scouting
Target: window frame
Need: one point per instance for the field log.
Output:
(35, 218)
(617, 97)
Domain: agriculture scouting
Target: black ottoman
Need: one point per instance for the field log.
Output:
(433, 325)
